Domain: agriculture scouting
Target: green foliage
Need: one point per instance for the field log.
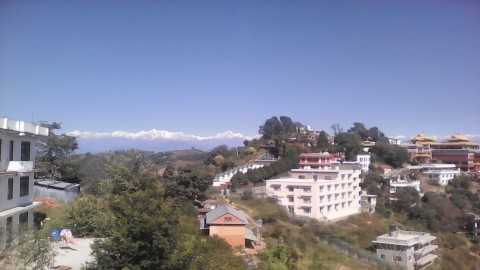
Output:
(247, 195)
(348, 143)
(288, 162)
(406, 198)
(323, 145)
(31, 251)
(213, 253)
(143, 231)
(392, 155)
(148, 228)
(373, 134)
(53, 152)
(274, 128)
(88, 216)
(186, 183)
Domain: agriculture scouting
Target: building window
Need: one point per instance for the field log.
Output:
(24, 185)
(291, 209)
(321, 209)
(227, 219)
(277, 188)
(397, 258)
(23, 219)
(307, 200)
(290, 189)
(290, 199)
(301, 177)
(25, 151)
(307, 189)
(382, 256)
(10, 188)
(306, 210)
(9, 231)
(10, 152)
(315, 177)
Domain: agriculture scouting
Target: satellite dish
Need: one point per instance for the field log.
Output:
(212, 207)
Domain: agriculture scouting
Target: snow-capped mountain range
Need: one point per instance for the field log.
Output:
(153, 140)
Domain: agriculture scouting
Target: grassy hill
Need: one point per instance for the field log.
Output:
(456, 250)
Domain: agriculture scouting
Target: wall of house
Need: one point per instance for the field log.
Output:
(14, 168)
(233, 234)
(406, 261)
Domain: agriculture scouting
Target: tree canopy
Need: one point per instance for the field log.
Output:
(53, 153)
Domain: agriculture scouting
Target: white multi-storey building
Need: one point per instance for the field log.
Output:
(364, 160)
(440, 173)
(407, 250)
(325, 194)
(17, 162)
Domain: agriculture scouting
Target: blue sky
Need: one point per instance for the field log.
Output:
(204, 67)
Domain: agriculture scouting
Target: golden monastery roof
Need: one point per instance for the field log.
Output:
(459, 137)
(421, 137)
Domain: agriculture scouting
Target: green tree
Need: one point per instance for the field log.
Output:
(31, 251)
(145, 223)
(390, 154)
(215, 254)
(186, 183)
(406, 199)
(88, 216)
(348, 143)
(323, 145)
(53, 152)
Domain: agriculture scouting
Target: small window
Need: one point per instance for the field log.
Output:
(290, 189)
(307, 210)
(23, 219)
(10, 188)
(24, 186)
(307, 189)
(25, 151)
(227, 219)
(301, 177)
(10, 152)
(397, 258)
(290, 199)
(382, 256)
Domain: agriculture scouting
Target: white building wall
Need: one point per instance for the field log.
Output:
(364, 160)
(334, 195)
(14, 168)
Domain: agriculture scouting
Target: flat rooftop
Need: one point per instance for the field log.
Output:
(22, 127)
(408, 238)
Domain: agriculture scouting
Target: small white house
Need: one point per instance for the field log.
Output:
(440, 173)
(395, 186)
(408, 250)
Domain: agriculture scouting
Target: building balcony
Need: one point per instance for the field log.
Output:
(425, 250)
(20, 166)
